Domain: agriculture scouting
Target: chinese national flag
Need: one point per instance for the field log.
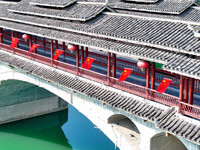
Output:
(14, 42)
(34, 46)
(125, 74)
(57, 54)
(88, 62)
(163, 85)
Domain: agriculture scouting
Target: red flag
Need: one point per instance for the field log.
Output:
(125, 74)
(34, 46)
(14, 42)
(163, 85)
(88, 62)
(58, 53)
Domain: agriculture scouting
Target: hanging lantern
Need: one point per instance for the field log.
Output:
(142, 64)
(25, 36)
(71, 47)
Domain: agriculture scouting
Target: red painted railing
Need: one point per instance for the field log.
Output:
(150, 94)
(189, 110)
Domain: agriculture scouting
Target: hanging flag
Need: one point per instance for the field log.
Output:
(88, 62)
(14, 42)
(57, 54)
(163, 85)
(34, 46)
(125, 74)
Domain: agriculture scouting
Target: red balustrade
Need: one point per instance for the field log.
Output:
(166, 99)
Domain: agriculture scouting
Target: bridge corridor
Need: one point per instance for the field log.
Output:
(110, 109)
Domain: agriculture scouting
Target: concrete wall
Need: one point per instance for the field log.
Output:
(31, 109)
(94, 110)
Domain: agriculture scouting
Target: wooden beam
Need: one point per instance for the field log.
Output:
(186, 90)
(181, 88)
(153, 76)
(82, 55)
(191, 91)
(109, 64)
(114, 65)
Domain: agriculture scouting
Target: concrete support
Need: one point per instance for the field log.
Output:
(181, 88)
(82, 55)
(114, 65)
(186, 90)
(31, 109)
(191, 91)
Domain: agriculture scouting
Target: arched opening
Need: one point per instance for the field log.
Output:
(20, 100)
(126, 128)
(162, 141)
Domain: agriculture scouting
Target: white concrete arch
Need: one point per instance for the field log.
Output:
(161, 141)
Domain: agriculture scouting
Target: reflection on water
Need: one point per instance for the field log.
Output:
(56, 131)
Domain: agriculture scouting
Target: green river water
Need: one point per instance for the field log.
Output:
(64, 130)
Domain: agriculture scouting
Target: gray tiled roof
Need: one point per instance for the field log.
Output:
(165, 120)
(154, 33)
(52, 3)
(173, 124)
(186, 66)
(164, 6)
(81, 12)
(143, 1)
(190, 16)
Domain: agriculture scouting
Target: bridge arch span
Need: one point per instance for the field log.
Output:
(166, 142)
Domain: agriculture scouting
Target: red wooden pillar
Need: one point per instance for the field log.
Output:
(82, 55)
(191, 91)
(181, 88)
(52, 52)
(186, 90)
(30, 41)
(16, 34)
(114, 65)
(153, 76)
(44, 43)
(77, 56)
(147, 70)
(86, 52)
(109, 65)
(1, 35)
(35, 42)
(64, 49)
(56, 44)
